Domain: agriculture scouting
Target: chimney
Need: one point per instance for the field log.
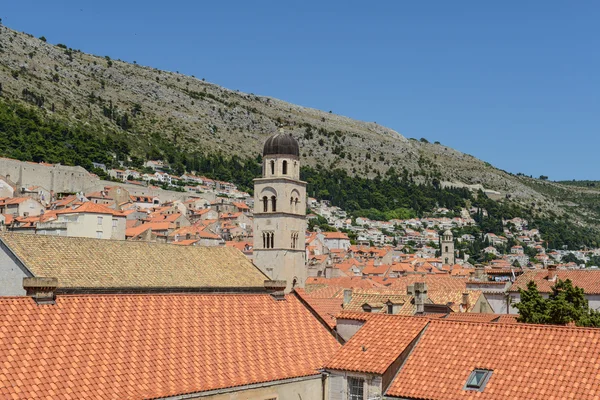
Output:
(276, 289)
(465, 301)
(42, 290)
(552, 273)
(410, 290)
(479, 273)
(420, 296)
(347, 296)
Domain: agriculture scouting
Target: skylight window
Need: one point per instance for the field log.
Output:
(478, 379)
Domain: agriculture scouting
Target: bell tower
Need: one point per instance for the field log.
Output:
(448, 248)
(280, 213)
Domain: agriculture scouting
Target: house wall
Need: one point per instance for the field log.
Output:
(58, 178)
(346, 328)
(86, 225)
(6, 190)
(309, 389)
(498, 302)
(338, 385)
(11, 275)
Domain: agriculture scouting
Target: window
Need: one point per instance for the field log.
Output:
(268, 240)
(99, 220)
(274, 203)
(99, 234)
(114, 222)
(478, 379)
(356, 388)
(446, 249)
(284, 167)
(272, 167)
(265, 204)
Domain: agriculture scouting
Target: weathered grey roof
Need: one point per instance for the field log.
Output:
(114, 264)
(283, 144)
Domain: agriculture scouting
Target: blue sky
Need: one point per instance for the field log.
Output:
(513, 83)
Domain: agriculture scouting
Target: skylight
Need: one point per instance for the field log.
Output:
(478, 379)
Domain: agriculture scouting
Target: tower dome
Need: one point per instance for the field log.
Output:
(281, 144)
(448, 232)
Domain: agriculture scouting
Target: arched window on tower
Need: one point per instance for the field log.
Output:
(292, 208)
(272, 240)
(284, 167)
(274, 203)
(446, 249)
(272, 167)
(296, 209)
(264, 240)
(265, 204)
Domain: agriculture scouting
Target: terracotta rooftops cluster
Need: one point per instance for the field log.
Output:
(423, 358)
(155, 346)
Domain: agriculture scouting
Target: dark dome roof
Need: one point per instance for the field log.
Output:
(283, 144)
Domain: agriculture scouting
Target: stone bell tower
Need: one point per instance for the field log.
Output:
(448, 248)
(280, 213)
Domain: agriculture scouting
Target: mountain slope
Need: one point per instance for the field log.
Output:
(138, 103)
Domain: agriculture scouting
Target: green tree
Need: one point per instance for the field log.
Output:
(566, 304)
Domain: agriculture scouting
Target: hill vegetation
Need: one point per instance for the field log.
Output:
(59, 104)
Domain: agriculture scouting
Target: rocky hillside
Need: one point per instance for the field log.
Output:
(137, 101)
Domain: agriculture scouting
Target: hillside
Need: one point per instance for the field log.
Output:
(150, 110)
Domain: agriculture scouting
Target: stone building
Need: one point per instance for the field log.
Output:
(280, 213)
(448, 248)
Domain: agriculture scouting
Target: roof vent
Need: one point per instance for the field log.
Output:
(42, 290)
(276, 289)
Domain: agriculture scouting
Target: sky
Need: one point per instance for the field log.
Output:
(514, 83)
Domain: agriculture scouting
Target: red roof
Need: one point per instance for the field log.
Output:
(529, 362)
(335, 235)
(377, 344)
(588, 280)
(137, 230)
(90, 208)
(327, 309)
(151, 346)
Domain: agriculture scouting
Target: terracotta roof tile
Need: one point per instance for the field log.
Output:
(529, 362)
(91, 208)
(151, 346)
(326, 308)
(377, 344)
(588, 280)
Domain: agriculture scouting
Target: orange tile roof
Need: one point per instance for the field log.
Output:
(434, 282)
(90, 208)
(335, 235)
(529, 362)
(137, 230)
(588, 280)
(8, 219)
(472, 317)
(326, 308)
(380, 269)
(377, 344)
(346, 282)
(151, 346)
